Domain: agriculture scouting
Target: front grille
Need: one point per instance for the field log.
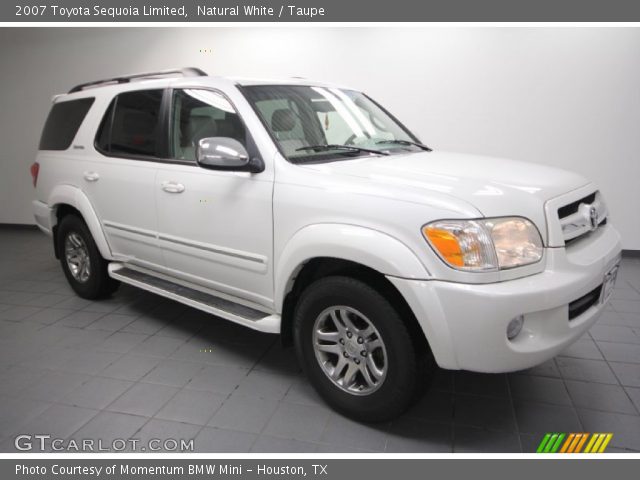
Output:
(572, 208)
(582, 217)
(584, 303)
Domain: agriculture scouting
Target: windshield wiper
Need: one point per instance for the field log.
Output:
(407, 142)
(352, 148)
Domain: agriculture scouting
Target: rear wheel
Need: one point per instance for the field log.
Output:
(84, 267)
(356, 349)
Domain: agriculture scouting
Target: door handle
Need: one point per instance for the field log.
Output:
(91, 176)
(172, 187)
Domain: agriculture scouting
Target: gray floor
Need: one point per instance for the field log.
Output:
(138, 366)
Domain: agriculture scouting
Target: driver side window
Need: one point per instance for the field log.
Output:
(199, 114)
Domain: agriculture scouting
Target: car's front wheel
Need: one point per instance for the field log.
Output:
(356, 349)
(84, 267)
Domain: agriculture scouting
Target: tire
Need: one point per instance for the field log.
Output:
(93, 282)
(315, 316)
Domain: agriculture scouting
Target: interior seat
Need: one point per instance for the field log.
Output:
(283, 121)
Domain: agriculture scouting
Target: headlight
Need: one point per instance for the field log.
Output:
(485, 245)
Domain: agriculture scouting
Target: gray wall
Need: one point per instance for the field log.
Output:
(568, 97)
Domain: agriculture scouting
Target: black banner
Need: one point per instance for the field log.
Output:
(370, 468)
(320, 11)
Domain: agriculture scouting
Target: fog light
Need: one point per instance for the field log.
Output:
(515, 327)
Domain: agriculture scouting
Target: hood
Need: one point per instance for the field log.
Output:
(494, 186)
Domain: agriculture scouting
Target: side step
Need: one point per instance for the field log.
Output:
(221, 307)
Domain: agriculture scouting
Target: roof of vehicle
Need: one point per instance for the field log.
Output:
(281, 81)
(183, 76)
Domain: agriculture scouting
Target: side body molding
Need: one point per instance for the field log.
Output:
(365, 246)
(73, 196)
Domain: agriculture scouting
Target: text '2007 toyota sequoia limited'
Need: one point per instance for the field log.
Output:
(308, 210)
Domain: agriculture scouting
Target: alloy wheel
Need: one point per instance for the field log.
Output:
(350, 350)
(77, 257)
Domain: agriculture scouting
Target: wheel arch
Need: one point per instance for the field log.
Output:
(322, 267)
(365, 246)
(328, 249)
(70, 200)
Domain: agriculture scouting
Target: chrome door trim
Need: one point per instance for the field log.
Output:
(242, 256)
(136, 231)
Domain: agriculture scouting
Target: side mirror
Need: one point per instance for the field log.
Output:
(223, 153)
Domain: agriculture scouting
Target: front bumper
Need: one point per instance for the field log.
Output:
(466, 324)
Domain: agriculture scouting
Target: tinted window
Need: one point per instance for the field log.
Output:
(103, 137)
(199, 114)
(130, 125)
(63, 123)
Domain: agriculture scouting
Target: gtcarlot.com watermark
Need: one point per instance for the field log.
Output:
(47, 443)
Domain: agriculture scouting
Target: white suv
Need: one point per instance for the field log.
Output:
(308, 210)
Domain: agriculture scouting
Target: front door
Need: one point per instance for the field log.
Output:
(214, 227)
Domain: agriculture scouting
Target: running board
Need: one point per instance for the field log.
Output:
(221, 307)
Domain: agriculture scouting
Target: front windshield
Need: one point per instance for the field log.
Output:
(301, 117)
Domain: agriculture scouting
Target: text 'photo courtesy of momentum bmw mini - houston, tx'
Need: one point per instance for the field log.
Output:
(306, 209)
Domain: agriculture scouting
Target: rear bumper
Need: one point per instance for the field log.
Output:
(43, 215)
(466, 324)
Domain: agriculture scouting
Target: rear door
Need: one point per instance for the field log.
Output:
(120, 181)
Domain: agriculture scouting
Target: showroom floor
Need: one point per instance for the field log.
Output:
(138, 366)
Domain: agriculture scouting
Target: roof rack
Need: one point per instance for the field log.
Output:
(185, 72)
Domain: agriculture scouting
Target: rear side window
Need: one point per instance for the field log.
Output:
(63, 123)
(131, 124)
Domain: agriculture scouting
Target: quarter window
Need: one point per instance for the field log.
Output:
(63, 123)
(131, 124)
(199, 114)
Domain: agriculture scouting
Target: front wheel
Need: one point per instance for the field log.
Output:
(356, 349)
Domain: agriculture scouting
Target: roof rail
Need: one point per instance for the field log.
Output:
(185, 72)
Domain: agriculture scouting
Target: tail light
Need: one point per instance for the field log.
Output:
(35, 169)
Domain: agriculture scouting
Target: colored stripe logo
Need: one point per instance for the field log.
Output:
(574, 443)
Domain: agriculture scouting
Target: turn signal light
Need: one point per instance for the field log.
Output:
(446, 244)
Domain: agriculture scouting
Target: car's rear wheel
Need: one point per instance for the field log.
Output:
(84, 267)
(356, 349)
